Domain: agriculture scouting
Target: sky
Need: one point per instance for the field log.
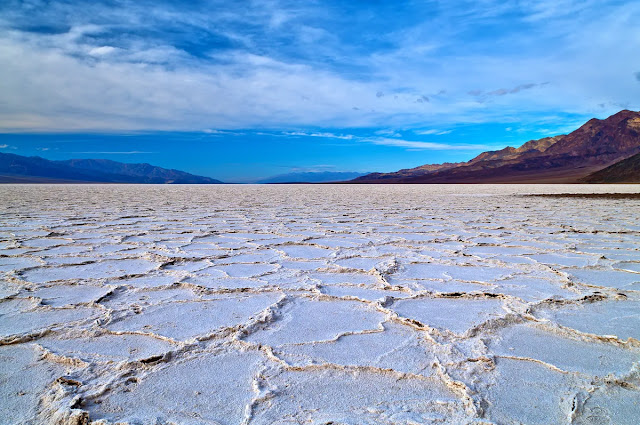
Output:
(242, 90)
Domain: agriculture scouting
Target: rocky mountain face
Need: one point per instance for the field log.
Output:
(560, 159)
(22, 169)
(531, 148)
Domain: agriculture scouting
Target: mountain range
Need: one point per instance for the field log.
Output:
(34, 169)
(313, 177)
(598, 151)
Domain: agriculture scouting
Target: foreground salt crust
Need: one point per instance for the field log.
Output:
(318, 304)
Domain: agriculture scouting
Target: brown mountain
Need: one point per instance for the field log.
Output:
(560, 159)
(625, 171)
(508, 153)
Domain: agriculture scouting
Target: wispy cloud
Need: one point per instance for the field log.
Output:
(385, 139)
(517, 89)
(432, 132)
(222, 132)
(503, 91)
(418, 145)
(4, 146)
(320, 134)
(388, 133)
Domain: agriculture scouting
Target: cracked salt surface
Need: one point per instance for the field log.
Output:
(207, 387)
(24, 379)
(455, 314)
(318, 304)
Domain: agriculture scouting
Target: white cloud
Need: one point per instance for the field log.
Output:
(320, 134)
(432, 132)
(4, 146)
(417, 145)
(102, 50)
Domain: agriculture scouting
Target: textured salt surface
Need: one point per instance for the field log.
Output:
(210, 387)
(318, 304)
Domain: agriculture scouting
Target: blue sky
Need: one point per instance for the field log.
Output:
(247, 89)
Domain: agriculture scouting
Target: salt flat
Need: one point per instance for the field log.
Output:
(395, 304)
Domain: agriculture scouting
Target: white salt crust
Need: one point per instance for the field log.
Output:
(318, 304)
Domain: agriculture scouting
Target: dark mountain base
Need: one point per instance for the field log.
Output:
(625, 171)
(588, 195)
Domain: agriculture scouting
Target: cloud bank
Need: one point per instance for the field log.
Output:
(104, 66)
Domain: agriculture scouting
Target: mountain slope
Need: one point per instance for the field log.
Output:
(625, 171)
(560, 159)
(17, 168)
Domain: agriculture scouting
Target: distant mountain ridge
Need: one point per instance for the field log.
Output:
(312, 177)
(560, 159)
(34, 169)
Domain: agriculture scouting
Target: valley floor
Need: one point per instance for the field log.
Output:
(344, 304)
